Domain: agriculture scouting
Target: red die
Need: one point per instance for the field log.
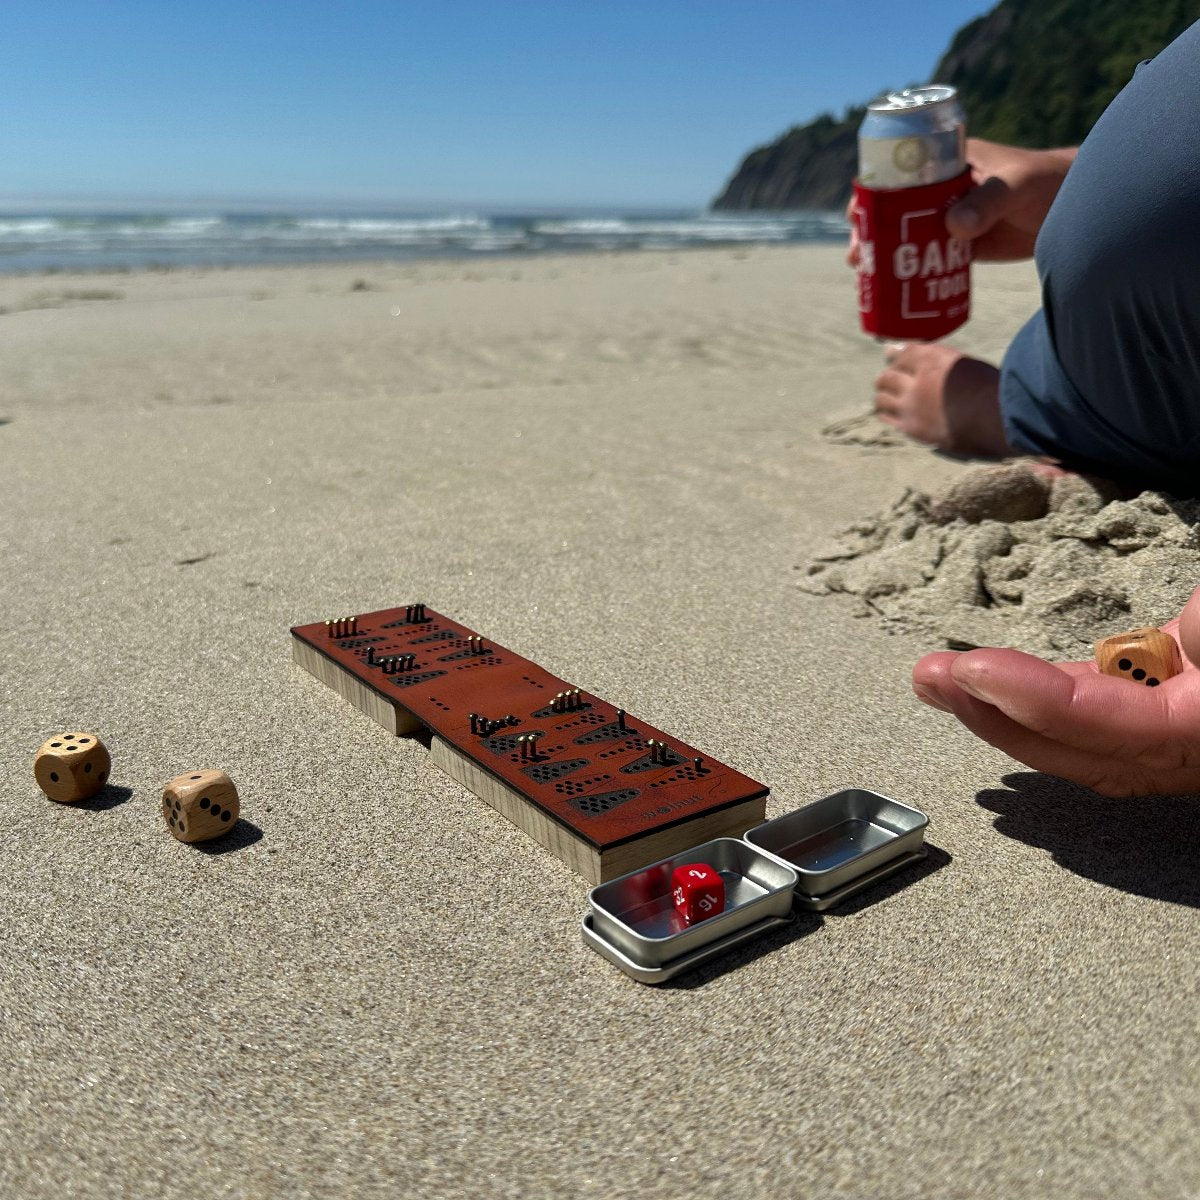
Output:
(698, 892)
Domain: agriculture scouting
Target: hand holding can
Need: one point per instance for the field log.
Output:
(914, 279)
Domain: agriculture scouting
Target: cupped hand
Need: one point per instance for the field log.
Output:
(1115, 736)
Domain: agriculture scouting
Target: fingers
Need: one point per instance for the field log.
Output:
(891, 382)
(1106, 774)
(934, 684)
(890, 388)
(899, 372)
(1069, 720)
(1188, 633)
(980, 209)
(894, 382)
(1087, 712)
(931, 678)
(1077, 668)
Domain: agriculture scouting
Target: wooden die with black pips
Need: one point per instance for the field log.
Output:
(71, 766)
(200, 805)
(1146, 656)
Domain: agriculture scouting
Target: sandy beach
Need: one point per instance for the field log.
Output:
(617, 465)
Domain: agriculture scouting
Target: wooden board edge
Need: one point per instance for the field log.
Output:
(581, 857)
(394, 718)
(732, 821)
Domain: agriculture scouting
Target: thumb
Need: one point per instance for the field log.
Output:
(979, 209)
(1189, 629)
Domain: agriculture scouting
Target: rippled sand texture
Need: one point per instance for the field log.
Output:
(614, 465)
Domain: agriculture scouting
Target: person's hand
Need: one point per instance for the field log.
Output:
(1013, 192)
(1003, 212)
(1112, 735)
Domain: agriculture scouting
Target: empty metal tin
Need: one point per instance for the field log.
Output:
(633, 922)
(843, 843)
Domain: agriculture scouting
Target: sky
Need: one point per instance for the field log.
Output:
(478, 103)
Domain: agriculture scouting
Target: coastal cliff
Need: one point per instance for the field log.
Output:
(1030, 72)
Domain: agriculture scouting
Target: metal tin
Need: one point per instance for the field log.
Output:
(841, 844)
(911, 138)
(685, 962)
(859, 884)
(633, 922)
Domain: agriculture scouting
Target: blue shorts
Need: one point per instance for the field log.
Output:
(1106, 376)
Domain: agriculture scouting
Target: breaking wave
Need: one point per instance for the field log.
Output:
(120, 240)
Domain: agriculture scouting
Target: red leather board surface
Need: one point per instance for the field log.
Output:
(602, 783)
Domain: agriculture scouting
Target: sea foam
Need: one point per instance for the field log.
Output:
(86, 241)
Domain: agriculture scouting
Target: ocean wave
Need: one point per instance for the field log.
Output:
(382, 226)
(98, 240)
(705, 228)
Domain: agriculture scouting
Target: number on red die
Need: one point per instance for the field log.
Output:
(698, 892)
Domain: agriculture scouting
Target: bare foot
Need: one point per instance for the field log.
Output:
(938, 395)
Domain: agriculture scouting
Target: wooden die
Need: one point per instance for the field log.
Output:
(71, 766)
(1146, 656)
(200, 805)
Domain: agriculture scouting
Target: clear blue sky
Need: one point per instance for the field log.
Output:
(466, 102)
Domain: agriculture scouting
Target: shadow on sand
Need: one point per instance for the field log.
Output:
(244, 833)
(109, 796)
(806, 922)
(1147, 846)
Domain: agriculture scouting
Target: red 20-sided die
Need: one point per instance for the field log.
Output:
(698, 892)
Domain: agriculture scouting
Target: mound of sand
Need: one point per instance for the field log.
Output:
(1008, 558)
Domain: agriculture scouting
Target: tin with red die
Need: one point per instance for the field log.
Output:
(698, 892)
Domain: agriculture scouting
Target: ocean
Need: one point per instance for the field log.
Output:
(81, 241)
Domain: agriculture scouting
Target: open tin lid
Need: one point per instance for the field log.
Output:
(841, 841)
(815, 857)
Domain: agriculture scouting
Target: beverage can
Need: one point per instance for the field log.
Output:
(914, 279)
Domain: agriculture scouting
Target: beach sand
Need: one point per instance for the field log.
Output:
(614, 465)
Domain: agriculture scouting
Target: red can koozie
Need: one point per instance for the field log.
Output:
(914, 279)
